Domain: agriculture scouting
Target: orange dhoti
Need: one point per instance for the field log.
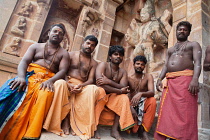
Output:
(27, 121)
(59, 108)
(120, 105)
(85, 108)
(149, 114)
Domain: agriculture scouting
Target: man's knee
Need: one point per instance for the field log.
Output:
(60, 82)
(123, 97)
(152, 101)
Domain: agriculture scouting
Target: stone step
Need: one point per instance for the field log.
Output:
(103, 130)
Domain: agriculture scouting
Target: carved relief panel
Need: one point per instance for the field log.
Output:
(149, 35)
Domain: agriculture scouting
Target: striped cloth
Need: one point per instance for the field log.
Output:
(10, 100)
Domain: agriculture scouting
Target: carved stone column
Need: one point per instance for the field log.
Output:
(98, 22)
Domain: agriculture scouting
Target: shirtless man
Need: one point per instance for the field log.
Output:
(178, 108)
(143, 104)
(49, 62)
(206, 64)
(115, 82)
(78, 94)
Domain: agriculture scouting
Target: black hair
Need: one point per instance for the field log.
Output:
(140, 58)
(91, 38)
(185, 23)
(60, 25)
(116, 48)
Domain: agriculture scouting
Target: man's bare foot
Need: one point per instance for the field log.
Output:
(115, 134)
(145, 136)
(66, 131)
(73, 133)
(96, 135)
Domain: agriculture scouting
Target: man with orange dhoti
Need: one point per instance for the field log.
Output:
(48, 61)
(177, 118)
(115, 82)
(143, 103)
(77, 96)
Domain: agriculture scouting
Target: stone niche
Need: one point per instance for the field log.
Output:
(67, 13)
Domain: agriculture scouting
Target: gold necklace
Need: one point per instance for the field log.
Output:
(49, 65)
(115, 76)
(139, 82)
(179, 49)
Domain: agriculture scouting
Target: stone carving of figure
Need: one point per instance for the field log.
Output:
(89, 19)
(19, 27)
(149, 33)
(26, 9)
(13, 48)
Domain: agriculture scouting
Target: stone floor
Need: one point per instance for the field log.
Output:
(104, 133)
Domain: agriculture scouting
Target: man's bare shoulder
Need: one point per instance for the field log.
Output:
(94, 62)
(73, 53)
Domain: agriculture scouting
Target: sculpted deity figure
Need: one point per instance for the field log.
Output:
(26, 9)
(20, 26)
(149, 33)
(13, 48)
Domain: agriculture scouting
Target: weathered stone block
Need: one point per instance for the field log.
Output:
(180, 13)
(176, 3)
(105, 38)
(103, 51)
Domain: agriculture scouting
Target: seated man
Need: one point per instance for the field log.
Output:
(206, 64)
(49, 62)
(115, 82)
(86, 101)
(143, 104)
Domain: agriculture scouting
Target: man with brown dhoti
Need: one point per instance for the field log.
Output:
(115, 82)
(177, 118)
(77, 96)
(49, 62)
(143, 103)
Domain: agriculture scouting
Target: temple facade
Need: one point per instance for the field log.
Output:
(113, 22)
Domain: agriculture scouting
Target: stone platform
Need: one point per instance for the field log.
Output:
(104, 133)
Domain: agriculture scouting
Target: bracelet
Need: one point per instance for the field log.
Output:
(159, 78)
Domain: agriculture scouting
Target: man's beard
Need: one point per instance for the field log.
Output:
(139, 72)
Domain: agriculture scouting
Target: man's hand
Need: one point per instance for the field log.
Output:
(134, 114)
(125, 90)
(194, 87)
(76, 89)
(136, 98)
(18, 82)
(159, 85)
(103, 80)
(47, 85)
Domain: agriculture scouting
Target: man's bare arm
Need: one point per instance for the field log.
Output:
(197, 53)
(22, 68)
(91, 77)
(63, 68)
(150, 92)
(100, 70)
(163, 73)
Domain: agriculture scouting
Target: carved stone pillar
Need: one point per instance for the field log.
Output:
(109, 13)
(99, 23)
